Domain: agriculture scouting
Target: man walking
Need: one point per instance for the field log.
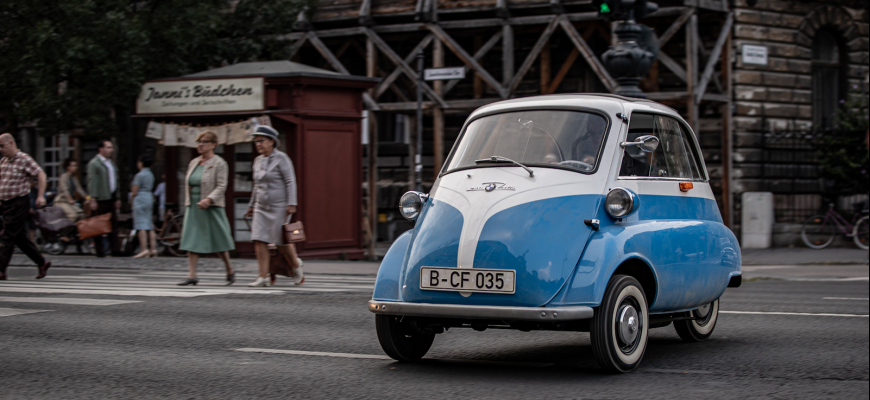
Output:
(17, 170)
(103, 189)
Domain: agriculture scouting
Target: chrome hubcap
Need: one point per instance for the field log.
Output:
(627, 324)
(703, 310)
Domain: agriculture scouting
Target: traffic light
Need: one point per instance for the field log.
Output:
(618, 10)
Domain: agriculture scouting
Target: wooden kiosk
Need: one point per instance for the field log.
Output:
(318, 114)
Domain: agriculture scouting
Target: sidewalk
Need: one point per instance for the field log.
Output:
(751, 257)
(206, 264)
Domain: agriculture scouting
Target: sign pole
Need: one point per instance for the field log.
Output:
(418, 159)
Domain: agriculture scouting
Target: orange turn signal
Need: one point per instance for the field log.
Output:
(685, 186)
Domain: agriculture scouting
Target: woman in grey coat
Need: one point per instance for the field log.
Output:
(273, 202)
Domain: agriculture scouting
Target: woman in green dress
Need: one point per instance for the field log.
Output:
(206, 227)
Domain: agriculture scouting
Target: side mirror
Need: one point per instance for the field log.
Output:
(646, 143)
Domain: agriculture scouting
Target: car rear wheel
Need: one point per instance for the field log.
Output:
(399, 340)
(620, 326)
(701, 327)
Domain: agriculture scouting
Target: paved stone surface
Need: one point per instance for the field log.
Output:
(187, 347)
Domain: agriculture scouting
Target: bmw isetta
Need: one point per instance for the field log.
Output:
(588, 213)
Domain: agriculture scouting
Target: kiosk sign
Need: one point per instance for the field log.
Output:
(201, 96)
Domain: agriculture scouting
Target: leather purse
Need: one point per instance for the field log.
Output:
(95, 226)
(294, 232)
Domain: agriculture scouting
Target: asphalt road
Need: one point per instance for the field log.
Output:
(810, 341)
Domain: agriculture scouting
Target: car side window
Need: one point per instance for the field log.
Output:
(674, 157)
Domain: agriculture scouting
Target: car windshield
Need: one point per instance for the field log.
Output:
(565, 139)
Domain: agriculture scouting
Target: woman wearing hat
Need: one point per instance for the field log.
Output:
(273, 201)
(206, 227)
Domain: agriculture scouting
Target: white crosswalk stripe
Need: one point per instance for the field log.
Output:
(163, 284)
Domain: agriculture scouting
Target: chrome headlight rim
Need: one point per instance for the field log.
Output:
(411, 205)
(630, 198)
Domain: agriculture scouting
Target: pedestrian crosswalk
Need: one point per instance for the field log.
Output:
(163, 284)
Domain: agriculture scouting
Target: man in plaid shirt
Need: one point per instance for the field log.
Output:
(17, 170)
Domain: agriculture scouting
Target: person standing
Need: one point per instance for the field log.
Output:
(206, 227)
(143, 207)
(160, 194)
(273, 202)
(68, 187)
(103, 189)
(17, 170)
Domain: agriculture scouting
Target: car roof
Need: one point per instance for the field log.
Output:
(610, 103)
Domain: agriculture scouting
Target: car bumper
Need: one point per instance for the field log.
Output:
(541, 314)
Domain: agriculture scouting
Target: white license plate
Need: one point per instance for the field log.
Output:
(468, 280)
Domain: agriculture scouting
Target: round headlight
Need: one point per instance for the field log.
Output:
(410, 205)
(619, 202)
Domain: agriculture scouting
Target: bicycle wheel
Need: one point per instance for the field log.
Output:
(171, 238)
(818, 232)
(861, 233)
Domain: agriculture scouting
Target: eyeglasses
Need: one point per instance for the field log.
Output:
(205, 141)
(259, 141)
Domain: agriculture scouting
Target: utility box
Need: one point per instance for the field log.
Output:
(756, 225)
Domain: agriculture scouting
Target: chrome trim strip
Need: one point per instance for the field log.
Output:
(546, 314)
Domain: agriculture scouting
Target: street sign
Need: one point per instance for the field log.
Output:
(441, 74)
(755, 55)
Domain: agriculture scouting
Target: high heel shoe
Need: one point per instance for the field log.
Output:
(153, 254)
(188, 281)
(143, 254)
(260, 282)
(299, 275)
(231, 278)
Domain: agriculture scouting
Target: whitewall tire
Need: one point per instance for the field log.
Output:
(620, 326)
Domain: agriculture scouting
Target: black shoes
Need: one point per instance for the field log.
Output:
(231, 278)
(43, 270)
(188, 281)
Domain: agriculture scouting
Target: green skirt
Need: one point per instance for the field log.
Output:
(206, 231)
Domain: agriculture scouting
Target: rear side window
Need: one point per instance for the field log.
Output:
(674, 158)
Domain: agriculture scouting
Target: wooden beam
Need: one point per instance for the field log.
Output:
(672, 65)
(566, 66)
(324, 51)
(669, 33)
(507, 54)
(466, 58)
(692, 71)
(556, 7)
(298, 45)
(437, 114)
(588, 55)
(365, 13)
(714, 58)
(385, 84)
(478, 55)
(371, 58)
(545, 67)
(501, 9)
(455, 105)
(412, 75)
(542, 41)
(477, 84)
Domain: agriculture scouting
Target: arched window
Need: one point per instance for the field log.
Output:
(828, 78)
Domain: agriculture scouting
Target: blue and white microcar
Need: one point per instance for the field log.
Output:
(588, 213)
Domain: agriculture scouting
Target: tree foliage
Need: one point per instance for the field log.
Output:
(79, 64)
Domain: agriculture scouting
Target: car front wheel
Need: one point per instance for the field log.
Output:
(620, 325)
(701, 326)
(399, 340)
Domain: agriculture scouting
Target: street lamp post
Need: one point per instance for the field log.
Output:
(418, 158)
(627, 62)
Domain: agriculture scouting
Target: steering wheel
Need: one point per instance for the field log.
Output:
(577, 164)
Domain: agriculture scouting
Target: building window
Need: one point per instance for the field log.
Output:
(828, 79)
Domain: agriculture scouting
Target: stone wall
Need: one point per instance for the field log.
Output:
(778, 96)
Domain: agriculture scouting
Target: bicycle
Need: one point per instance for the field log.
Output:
(169, 234)
(819, 230)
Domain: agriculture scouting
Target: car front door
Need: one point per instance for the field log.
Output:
(675, 212)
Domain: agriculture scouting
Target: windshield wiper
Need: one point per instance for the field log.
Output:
(500, 159)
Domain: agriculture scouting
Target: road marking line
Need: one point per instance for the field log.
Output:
(62, 300)
(8, 312)
(314, 353)
(673, 371)
(846, 298)
(796, 313)
(859, 278)
(383, 357)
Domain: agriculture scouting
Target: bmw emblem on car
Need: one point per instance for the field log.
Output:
(490, 187)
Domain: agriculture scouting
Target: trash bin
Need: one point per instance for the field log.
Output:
(756, 225)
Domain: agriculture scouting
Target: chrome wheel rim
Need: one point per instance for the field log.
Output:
(628, 325)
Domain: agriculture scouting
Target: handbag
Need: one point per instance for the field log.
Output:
(95, 226)
(294, 232)
(278, 265)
